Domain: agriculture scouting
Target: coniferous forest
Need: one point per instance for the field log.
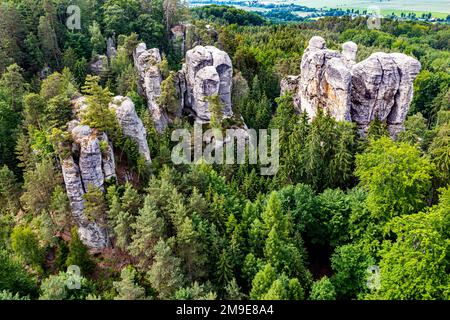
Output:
(346, 216)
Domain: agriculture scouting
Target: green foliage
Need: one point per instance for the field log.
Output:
(427, 86)
(126, 288)
(39, 184)
(25, 245)
(397, 177)
(79, 255)
(9, 191)
(219, 232)
(168, 98)
(350, 264)
(97, 114)
(94, 205)
(98, 42)
(215, 107)
(323, 289)
(14, 278)
(165, 274)
(230, 15)
(195, 292)
(415, 265)
(440, 151)
(55, 287)
(7, 295)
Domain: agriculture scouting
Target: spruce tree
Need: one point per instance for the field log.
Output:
(79, 254)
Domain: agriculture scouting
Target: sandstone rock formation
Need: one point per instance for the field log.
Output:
(99, 64)
(91, 234)
(208, 71)
(324, 81)
(111, 50)
(89, 166)
(149, 85)
(380, 86)
(91, 162)
(131, 124)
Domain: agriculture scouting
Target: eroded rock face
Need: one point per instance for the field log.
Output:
(291, 84)
(91, 234)
(90, 159)
(98, 65)
(349, 51)
(380, 87)
(108, 162)
(131, 124)
(208, 71)
(149, 84)
(111, 50)
(325, 81)
(91, 162)
(91, 166)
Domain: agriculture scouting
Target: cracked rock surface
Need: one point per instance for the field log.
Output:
(131, 124)
(147, 64)
(380, 86)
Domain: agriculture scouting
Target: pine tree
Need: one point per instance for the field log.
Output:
(224, 269)
(98, 42)
(79, 254)
(342, 164)
(9, 191)
(97, 114)
(94, 205)
(33, 108)
(49, 41)
(165, 274)
(25, 245)
(13, 87)
(190, 250)
(168, 98)
(123, 230)
(148, 229)
(215, 107)
(126, 288)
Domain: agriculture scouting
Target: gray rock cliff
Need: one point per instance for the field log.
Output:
(380, 86)
(131, 124)
(147, 64)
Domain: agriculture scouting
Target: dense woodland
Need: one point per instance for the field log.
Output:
(338, 206)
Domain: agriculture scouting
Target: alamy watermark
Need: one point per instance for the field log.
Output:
(73, 277)
(373, 278)
(233, 146)
(73, 21)
(375, 17)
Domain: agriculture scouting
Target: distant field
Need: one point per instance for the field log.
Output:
(398, 12)
(436, 6)
(418, 13)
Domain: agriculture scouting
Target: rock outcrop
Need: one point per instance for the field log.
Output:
(147, 64)
(208, 71)
(111, 50)
(91, 234)
(91, 162)
(87, 165)
(99, 64)
(131, 124)
(324, 82)
(380, 86)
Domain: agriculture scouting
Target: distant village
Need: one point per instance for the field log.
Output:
(289, 12)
